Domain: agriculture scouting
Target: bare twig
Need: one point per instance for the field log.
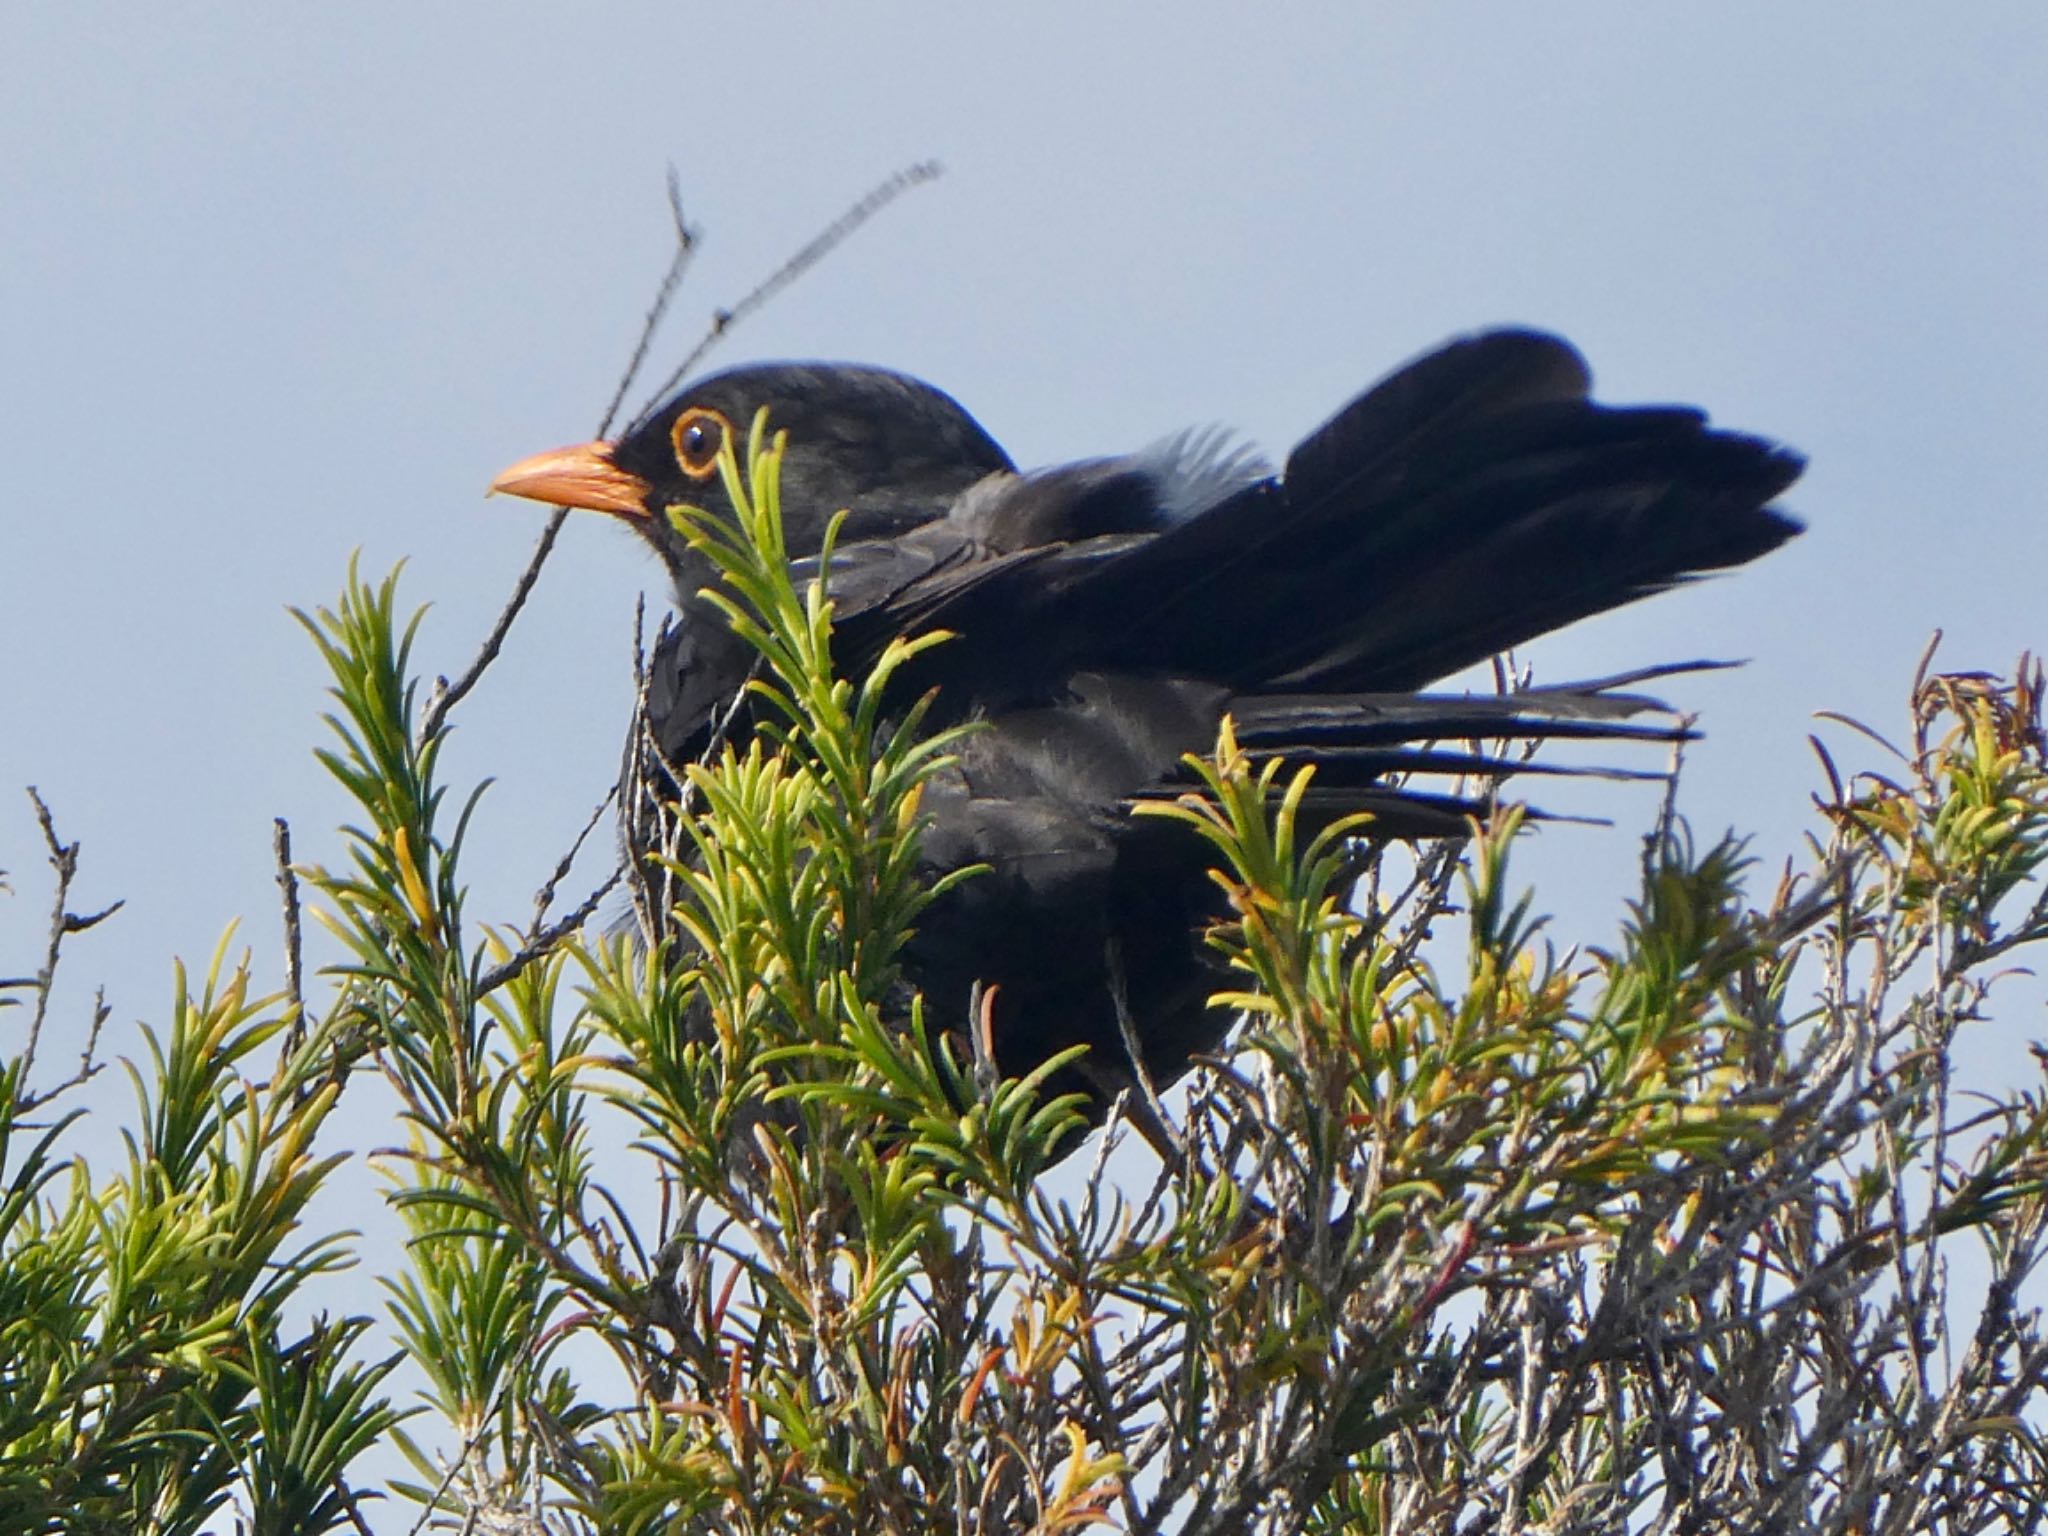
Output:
(664, 296)
(545, 896)
(294, 939)
(351, 1507)
(542, 938)
(63, 923)
(642, 802)
(1149, 1113)
(548, 937)
(814, 251)
(448, 694)
(1658, 839)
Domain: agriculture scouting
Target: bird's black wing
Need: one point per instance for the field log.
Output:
(992, 569)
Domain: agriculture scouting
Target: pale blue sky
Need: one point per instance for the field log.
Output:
(277, 284)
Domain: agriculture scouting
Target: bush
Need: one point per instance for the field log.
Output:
(1469, 1235)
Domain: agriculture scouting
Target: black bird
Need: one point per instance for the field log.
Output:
(1110, 613)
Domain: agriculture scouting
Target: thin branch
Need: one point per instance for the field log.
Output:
(448, 694)
(1658, 840)
(664, 296)
(545, 896)
(548, 937)
(814, 251)
(350, 1506)
(1149, 1114)
(63, 923)
(294, 939)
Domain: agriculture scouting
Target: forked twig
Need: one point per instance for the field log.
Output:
(814, 251)
(63, 923)
(448, 694)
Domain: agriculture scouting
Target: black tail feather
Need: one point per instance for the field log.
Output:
(1471, 503)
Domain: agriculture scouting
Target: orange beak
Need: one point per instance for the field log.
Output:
(583, 476)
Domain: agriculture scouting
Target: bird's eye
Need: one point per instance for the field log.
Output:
(698, 435)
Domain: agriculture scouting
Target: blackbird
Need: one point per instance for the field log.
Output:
(1110, 613)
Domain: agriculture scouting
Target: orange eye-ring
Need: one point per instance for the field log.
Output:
(698, 435)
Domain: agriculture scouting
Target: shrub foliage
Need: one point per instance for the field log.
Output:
(1708, 1229)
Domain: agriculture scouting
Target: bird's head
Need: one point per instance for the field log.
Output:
(887, 449)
